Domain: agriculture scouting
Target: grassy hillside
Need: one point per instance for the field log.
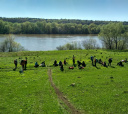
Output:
(95, 90)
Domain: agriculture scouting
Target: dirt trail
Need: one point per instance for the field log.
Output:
(61, 96)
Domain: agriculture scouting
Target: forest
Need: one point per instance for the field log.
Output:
(52, 26)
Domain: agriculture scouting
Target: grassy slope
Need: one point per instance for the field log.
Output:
(29, 92)
(94, 90)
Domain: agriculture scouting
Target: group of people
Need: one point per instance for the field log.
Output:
(81, 65)
(42, 64)
(94, 61)
(23, 63)
(121, 62)
(60, 64)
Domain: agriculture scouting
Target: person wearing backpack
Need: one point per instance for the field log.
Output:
(96, 60)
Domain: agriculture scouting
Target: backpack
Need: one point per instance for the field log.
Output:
(22, 62)
(91, 57)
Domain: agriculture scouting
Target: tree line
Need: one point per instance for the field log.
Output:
(59, 21)
(47, 28)
(51, 26)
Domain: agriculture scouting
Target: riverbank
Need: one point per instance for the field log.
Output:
(89, 90)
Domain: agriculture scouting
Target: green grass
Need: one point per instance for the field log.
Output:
(94, 91)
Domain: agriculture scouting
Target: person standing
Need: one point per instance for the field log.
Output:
(22, 63)
(25, 62)
(73, 59)
(65, 61)
(110, 61)
(15, 62)
(92, 59)
(96, 60)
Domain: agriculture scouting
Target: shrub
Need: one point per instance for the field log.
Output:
(9, 45)
(90, 44)
(70, 46)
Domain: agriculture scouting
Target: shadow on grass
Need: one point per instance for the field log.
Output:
(112, 66)
(97, 67)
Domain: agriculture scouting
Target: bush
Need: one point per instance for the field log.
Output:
(70, 46)
(90, 44)
(9, 45)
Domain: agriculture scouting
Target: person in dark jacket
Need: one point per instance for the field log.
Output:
(92, 59)
(65, 61)
(60, 63)
(73, 59)
(15, 62)
(62, 68)
(25, 63)
(120, 64)
(109, 61)
(55, 63)
(83, 64)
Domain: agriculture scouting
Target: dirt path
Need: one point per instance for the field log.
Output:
(61, 96)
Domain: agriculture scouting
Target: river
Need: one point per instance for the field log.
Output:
(46, 42)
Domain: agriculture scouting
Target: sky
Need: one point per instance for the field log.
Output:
(106, 10)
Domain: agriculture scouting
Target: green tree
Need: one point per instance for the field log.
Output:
(113, 36)
(54, 28)
(92, 28)
(16, 28)
(48, 28)
(85, 29)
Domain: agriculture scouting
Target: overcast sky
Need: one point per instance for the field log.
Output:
(115, 10)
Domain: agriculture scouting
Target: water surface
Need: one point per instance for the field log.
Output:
(43, 42)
